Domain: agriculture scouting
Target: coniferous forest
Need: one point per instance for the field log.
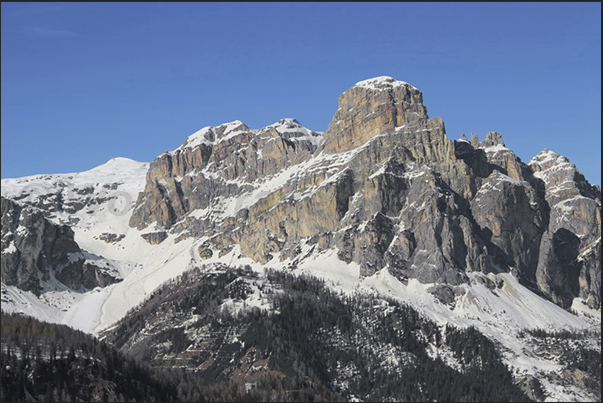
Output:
(50, 362)
(306, 343)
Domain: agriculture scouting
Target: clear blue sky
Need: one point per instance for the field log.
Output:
(85, 82)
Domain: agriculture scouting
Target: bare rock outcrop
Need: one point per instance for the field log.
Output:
(387, 189)
(570, 252)
(510, 222)
(34, 249)
(370, 108)
(218, 162)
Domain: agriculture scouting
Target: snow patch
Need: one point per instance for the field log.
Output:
(381, 83)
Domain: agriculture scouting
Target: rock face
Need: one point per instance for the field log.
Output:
(35, 249)
(511, 220)
(370, 108)
(388, 189)
(383, 186)
(570, 251)
(218, 162)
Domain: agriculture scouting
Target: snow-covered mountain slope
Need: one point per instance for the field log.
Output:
(96, 195)
(381, 203)
(96, 205)
(497, 305)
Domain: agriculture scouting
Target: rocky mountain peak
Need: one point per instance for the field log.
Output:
(215, 162)
(545, 159)
(372, 107)
(561, 177)
(381, 83)
(382, 202)
(492, 139)
(210, 135)
(289, 123)
(384, 187)
(292, 129)
(230, 129)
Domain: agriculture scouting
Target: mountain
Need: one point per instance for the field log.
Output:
(382, 207)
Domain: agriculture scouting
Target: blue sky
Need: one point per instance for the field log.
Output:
(85, 82)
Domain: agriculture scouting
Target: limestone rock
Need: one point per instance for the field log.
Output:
(384, 186)
(474, 140)
(558, 270)
(230, 156)
(31, 245)
(35, 249)
(387, 189)
(370, 108)
(509, 220)
(445, 293)
(492, 139)
(110, 237)
(561, 178)
(570, 261)
(155, 238)
(590, 275)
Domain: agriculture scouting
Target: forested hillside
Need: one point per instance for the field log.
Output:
(360, 345)
(237, 335)
(50, 362)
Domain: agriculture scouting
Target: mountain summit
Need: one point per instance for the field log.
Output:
(383, 201)
(386, 188)
(373, 107)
